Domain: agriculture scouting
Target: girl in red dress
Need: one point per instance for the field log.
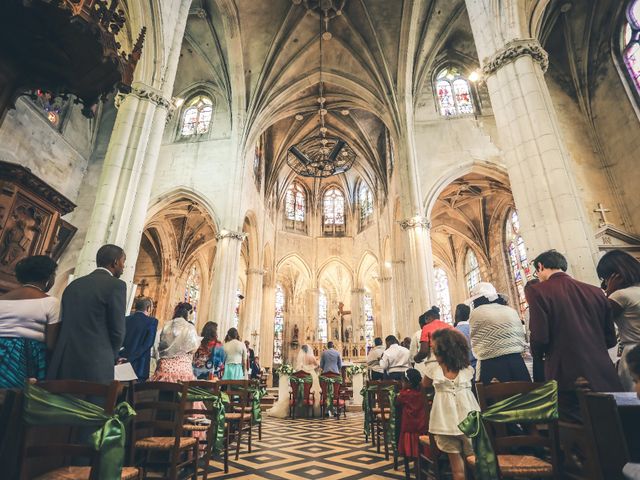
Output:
(414, 414)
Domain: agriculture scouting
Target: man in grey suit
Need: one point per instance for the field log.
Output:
(93, 325)
(331, 361)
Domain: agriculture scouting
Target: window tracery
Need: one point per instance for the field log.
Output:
(365, 201)
(295, 207)
(192, 289)
(443, 296)
(471, 269)
(322, 316)
(197, 116)
(631, 43)
(517, 253)
(278, 325)
(369, 325)
(454, 93)
(333, 212)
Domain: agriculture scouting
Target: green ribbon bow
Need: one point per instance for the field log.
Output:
(212, 402)
(44, 408)
(300, 381)
(392, 431)
(366, 408)
(330, 381)
(535, 406)
(256, 411)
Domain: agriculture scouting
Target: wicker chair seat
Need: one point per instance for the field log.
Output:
(82, 473)
(188, 427)
(235, 417)
(520, 466)
(165, 443)
(378, 410)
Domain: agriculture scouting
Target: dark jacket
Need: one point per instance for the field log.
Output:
(92, 313)
(571, 325)
(138, 340)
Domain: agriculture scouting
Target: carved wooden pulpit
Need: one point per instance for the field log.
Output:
(30, 220)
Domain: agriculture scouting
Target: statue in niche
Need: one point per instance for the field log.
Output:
(335, 329)
(307, 334)
(342, 313)
(294, 336)
(347, 334)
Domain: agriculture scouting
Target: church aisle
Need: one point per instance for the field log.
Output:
(310, 449)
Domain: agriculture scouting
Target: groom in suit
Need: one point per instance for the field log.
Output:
(93, 326)
(331, 361)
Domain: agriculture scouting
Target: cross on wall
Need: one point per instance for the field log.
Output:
(602, 211)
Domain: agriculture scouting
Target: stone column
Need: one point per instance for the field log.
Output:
(539, 165)
(266, 332)
(313, 295)
(388, 321)
(225, 279)
(253, 305)
(357, 313)
(421, 258)
(401, 300)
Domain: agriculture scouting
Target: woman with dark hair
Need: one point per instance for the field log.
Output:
(178, 340)
(29, 322)
(497, 337)
(235, 357)
(620, 275)
(202, 364)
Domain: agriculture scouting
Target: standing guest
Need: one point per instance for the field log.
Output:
(414, 348)
(140, 335)
(235, 357)
(571, 326)
(432, 324)
(217, 355)
(331, 361)
(461, 323)
(497, 337)
(414, 421)
(451, 376)
(406, 343)
(376, 372)
(202, 365)
(395, 360)
(256, 369)
(537, 357)
(29, 322)
(620, 275)
(93, 326)
(250, 354)
(178, 341)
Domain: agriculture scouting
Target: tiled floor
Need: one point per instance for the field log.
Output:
(310, 449)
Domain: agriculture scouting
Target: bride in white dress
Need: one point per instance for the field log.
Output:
(306, 362)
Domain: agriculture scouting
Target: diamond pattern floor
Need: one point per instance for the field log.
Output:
(310, 449)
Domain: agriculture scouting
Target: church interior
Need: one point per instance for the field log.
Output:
(318, 170)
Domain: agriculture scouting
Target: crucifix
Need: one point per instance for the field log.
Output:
(603, 219)
(342, 312)
(143, 285)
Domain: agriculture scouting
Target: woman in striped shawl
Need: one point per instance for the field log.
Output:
(497, 337)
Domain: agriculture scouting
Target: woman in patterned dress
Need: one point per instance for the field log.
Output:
(178, 340)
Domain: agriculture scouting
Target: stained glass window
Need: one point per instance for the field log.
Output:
(367, 307)
(454, 93)
(443, 297)
(197, 116)
(365, 199)
(51, 106)
(631, 42)
(192, 289)
(294, 203)
(333, 212)
(278, 325)
(322, 316)
(236, 311)
(517, 252)
(471, 269)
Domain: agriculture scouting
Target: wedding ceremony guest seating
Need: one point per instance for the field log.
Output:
(10, 423)
(55, 430)
(430, 459)
(301, 398)
(158, 443)
(238, 413)
(330, 400)
(385, 413)
(207, 420)
(509, 438)
(259, 390)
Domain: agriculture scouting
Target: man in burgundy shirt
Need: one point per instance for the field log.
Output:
(433, 323)
(571, 325)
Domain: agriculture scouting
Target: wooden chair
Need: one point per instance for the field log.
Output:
(210, 429)
(308, 398)
(338, 403)
(10, 428)
(158, 429)
(64, 444)
(239, 413)
(382, 416)
(375, 408)
(435, 460)
(529, 436)
(257, 383)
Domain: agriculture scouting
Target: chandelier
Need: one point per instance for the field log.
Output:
(322, 155)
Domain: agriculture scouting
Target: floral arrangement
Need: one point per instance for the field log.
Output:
(356, 370)
(285, 369)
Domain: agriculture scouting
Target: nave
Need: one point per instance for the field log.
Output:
(310, 449)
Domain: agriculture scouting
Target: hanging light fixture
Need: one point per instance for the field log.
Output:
(322, 155)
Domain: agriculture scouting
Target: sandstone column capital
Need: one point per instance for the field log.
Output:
(417, 221)
(240, 236)
(514, 50)
(145, 92)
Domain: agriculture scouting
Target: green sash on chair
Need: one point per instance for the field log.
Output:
(535, 406)
(258, 393)
(300, 381)
(44, 408)
(331, 381)
(366, 408)
(212, 401)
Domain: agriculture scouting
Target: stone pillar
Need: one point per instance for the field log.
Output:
(357, 314)
(253, 306)
(388, 321)
(313, 295)
(225, 279)
(401, 300)
(266, 332)
(421, 258)
(539, 165)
